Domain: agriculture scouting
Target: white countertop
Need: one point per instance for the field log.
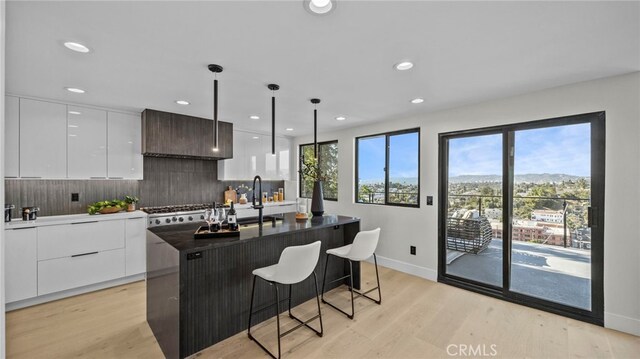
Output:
(72, 218)
(267, 204)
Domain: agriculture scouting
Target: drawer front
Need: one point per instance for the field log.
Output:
(136, 248)
(60, 274)
(71, 239)
(278, 209)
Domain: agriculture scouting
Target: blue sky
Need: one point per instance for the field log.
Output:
(564, 149)
(403, 157)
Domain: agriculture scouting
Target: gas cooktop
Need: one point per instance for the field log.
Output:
(184, 213)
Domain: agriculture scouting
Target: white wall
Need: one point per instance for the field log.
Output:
(401, 227)
(2, 37)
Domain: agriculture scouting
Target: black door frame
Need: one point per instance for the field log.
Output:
(596, 216)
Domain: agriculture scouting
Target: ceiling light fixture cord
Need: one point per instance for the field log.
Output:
(215, 69)
(315, 102)
(273, 88)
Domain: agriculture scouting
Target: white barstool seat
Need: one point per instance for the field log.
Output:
(296, 264)
(363, 247)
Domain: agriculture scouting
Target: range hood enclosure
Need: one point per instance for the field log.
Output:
(173, 135)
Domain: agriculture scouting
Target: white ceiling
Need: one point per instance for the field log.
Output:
(149, 54)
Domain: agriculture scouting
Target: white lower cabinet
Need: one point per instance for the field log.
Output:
(136, 248)
(60, 274)
(79, 238)
(21, 276)
(48, 259)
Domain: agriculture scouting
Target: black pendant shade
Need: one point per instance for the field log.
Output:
(315, 101)
(273, 87)
(215, 69)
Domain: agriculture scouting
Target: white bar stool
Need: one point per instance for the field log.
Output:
(296, 264)
(363, 247)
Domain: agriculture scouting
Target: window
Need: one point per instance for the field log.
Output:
(388, 168)
(328, 164)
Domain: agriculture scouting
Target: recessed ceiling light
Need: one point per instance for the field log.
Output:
(182, 102)
(402, 66)
(254, 117)
(417, 100)
(289, 129)
(75, 113)
(319, 7)
(74, 90)
(77, 47)
(255, 137)
(341, 118)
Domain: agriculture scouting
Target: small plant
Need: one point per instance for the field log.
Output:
(100, 205)
(131, 199)
(241, 189)
(310, 169)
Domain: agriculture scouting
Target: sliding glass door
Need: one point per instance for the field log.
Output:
(522, 213)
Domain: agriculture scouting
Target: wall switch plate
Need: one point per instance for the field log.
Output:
(75, 197)
(429, 200)
(194, 255)
(412, 250)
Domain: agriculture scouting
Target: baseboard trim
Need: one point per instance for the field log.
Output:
(408, 268)
(72, 292)
(622, 323)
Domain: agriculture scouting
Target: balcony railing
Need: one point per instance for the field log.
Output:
(566, 206)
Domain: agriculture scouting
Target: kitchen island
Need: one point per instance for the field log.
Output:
(198, 291)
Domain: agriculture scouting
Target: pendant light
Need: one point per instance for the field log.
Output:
(215, 69)
(273, 88)
(315, 101)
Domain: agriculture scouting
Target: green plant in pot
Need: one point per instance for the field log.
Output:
(131, 202)
(310, 169)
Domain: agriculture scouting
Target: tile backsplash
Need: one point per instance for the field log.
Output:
(167, 181)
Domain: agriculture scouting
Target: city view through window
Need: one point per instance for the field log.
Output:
(403, 161)
(551, 239)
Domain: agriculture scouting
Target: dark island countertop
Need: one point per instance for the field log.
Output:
(180, 236)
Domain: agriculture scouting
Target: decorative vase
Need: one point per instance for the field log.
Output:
(317, 204)
(131, 207)
(243, 198)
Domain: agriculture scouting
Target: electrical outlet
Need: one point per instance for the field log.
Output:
(412, 250)
(75, 197)
(429, 200)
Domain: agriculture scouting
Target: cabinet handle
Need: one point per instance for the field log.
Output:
(110, 177)
(83, 254)
(85, 222)
(17, 229)
(31, 177)
(97, 177)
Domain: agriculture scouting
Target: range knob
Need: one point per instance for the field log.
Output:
(174, 219)
(167, 220)
(190, 218)
(157, 221)
(202, 216)
(181, 219)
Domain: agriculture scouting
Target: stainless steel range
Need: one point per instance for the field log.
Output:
(167, 215)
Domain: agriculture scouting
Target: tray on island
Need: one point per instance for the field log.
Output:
(203, 232)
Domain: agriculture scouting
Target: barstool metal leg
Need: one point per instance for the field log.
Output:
(351, 289)
(353, 310)
(324, 279)
(375, 260)
(306, 323)
(315, 281)
(251, 307)
(275, 285)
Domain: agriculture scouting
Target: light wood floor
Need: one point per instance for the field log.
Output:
(417, 319)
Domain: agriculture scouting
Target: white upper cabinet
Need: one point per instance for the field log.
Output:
(124, 147)
(252, 156)
(87, 143)
(11, 136)
(43, 139)
(51, 140)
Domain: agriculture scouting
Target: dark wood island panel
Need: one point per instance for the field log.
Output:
(198, 292)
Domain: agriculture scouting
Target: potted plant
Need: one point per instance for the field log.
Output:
(131, 203)
(310, 169)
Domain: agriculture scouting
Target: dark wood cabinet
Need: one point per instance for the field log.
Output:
(167, 134)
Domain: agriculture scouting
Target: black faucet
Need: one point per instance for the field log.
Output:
(259, 206)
